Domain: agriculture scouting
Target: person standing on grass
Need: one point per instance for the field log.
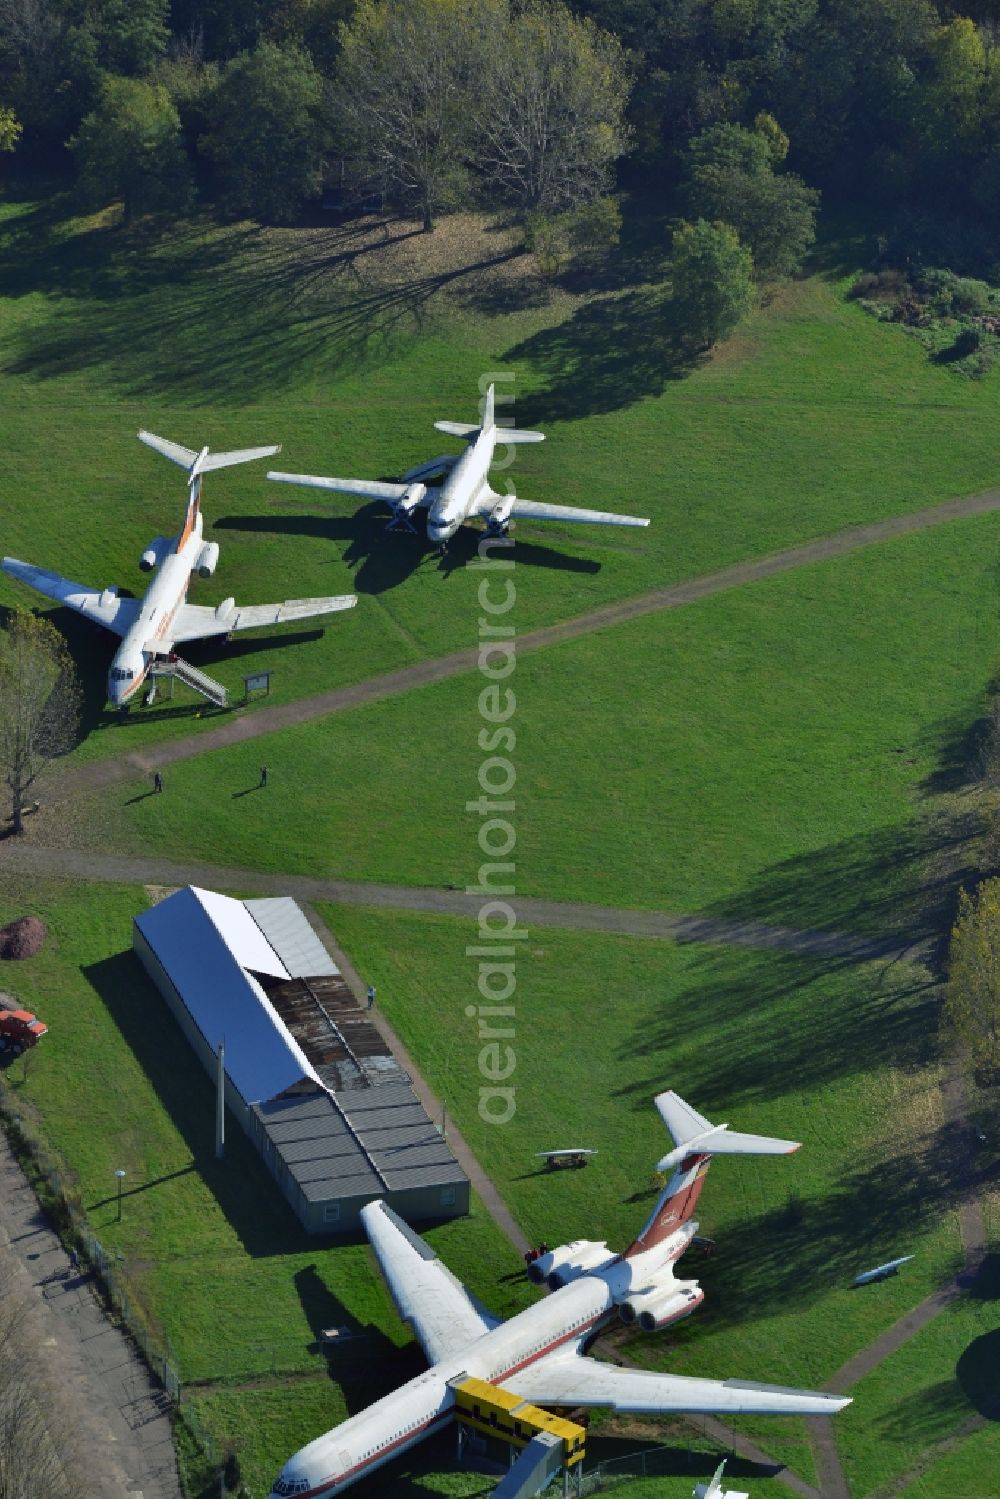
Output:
(263, 775)
(157, 781)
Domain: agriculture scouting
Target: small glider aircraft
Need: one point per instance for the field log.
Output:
(881, 1272)
(465, 491)
(152, 626)
(538, 1353)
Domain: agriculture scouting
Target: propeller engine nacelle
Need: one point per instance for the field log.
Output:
(410, 499)
(208, 559)
(498, 520)
(153, 555)
(559, 1266)
(660, 1306)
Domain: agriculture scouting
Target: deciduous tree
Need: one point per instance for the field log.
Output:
(551, 109)
(711, 279)
(268, 132)
(10, 129)
(730, 178)
(972, 1003)
(130, 148)
(39, 705)
(403, 94)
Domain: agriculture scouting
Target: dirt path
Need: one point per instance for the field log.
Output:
(144, 869)
(248, 726)
(106, 1412)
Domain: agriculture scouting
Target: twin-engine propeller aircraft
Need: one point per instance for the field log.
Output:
(538, 1353)
(152, 626)
(465, 491)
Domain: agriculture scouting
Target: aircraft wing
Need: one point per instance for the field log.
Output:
(443, 1315)
(105, 608)
(198, 622)
(531, 510)
(566, 1378)
(374, 489)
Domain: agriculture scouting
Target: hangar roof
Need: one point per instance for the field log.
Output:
(210, 946)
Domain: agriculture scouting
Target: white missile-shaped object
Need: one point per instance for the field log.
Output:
(881, 1272)
(714, 1490)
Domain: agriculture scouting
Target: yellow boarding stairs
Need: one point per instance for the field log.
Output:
(550, 1444)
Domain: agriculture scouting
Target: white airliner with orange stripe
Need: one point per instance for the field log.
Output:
(162, 619)
(538, 1353)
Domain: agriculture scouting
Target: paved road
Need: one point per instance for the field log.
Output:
(98, 1390)
(144, 869)
(248, 726)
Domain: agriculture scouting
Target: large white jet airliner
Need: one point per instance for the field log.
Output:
(538, 1353)
(152, 626)
(465, 491)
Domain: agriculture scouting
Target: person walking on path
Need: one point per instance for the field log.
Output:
(263, 775)
(157, 781)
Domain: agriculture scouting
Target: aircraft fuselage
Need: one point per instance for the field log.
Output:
(462, 488)
(165, 595)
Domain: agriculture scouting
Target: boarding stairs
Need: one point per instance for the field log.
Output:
(198, 681)
(536, 1467)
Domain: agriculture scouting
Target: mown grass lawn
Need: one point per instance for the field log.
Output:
(780, 752)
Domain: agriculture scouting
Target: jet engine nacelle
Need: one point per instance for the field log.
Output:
(659, 1306)
(208, 559)
(559, 1266)
(153, 555)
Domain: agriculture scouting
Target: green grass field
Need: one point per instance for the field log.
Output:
(777, 752)
(795, 751)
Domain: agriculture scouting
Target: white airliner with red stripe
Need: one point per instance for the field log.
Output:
(153, 625)
(539, 1353)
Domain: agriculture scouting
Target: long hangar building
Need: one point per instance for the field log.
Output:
(307, 1074)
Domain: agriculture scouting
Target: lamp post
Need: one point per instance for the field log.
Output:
(121, 1177)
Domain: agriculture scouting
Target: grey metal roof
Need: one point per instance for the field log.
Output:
(285, 926)
(206, 943)
(361, 1143)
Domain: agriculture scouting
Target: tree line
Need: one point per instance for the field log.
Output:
(734, 114)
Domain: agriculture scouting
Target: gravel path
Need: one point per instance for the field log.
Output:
(144, 869)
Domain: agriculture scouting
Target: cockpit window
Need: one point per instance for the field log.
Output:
(288, 1486)
(121, 674)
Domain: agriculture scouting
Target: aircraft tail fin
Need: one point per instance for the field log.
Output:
(471, 430)
(696, 1140)
(202, 462)
(197, 464)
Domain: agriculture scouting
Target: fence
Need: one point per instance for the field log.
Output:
(62, 1201)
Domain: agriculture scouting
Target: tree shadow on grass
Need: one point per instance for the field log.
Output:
(382, 561)
(243, 1188)
(610, 353)
(223, 315)
(783, 1260)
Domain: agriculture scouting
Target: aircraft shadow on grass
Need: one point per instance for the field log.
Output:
(383, 562)
(364, 1363)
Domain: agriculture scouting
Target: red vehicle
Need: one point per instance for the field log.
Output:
(20, 1029)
